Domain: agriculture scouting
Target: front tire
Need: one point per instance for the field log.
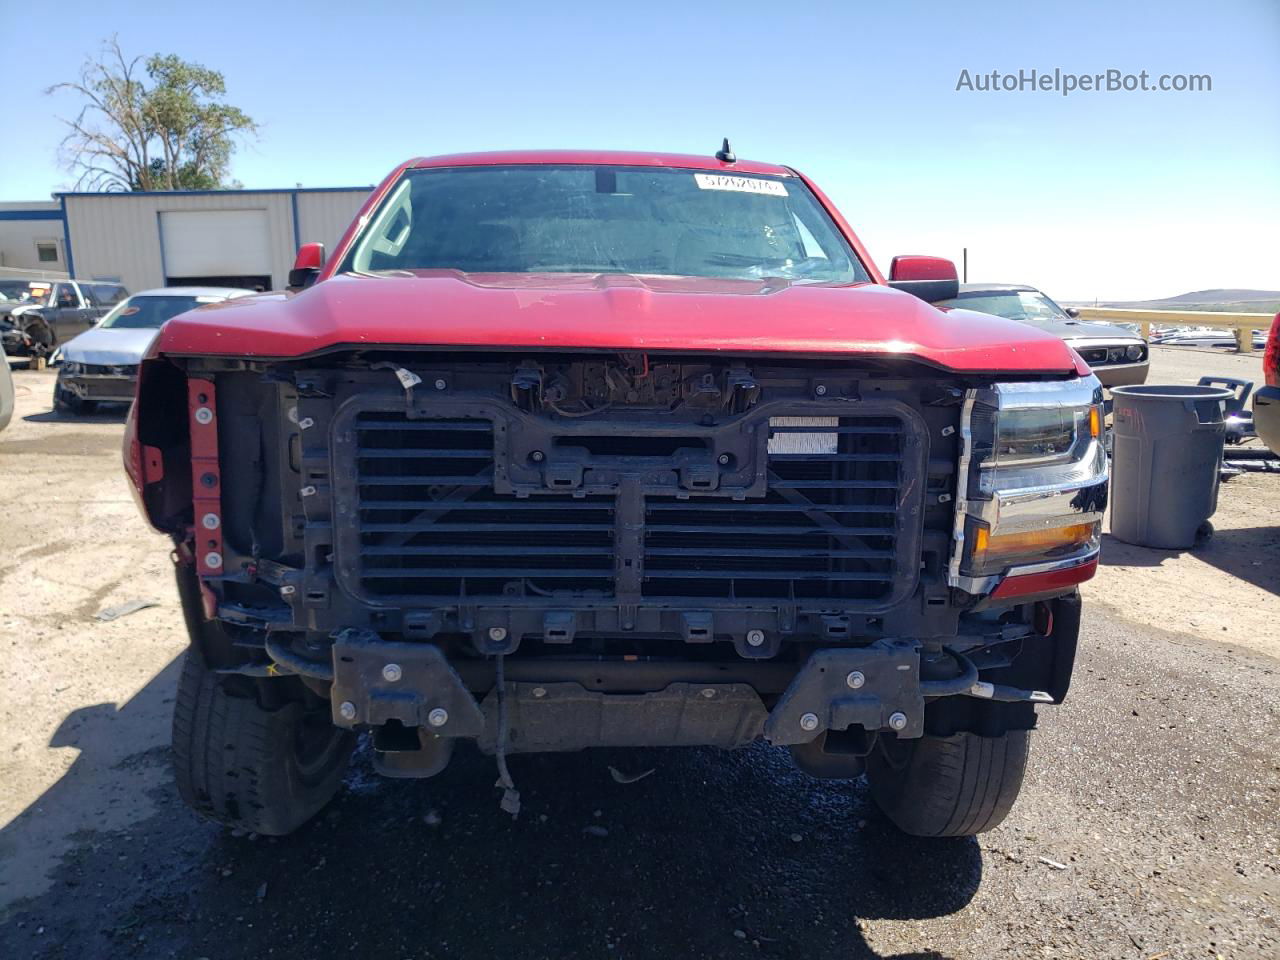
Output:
(64, 401)
(266, 770)
(41, 341)
(948, 786)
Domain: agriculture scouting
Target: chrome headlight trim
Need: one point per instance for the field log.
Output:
(1058, 490)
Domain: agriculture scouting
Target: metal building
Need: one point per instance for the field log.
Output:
(241, 238)
(32, 241)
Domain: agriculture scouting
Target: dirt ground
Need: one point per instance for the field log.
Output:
(1228, 588)
(1148, 826)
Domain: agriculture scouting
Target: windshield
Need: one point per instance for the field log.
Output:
(25, 291)
(604, 219)
(1014, 304)
(137, 312)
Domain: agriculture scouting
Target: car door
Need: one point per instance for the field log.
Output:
(101, 298)
(71, 315)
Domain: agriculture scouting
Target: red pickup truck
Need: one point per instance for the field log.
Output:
(572, 449)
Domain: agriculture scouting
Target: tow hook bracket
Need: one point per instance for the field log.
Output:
(698, 626)
(559, 626)
(376, 681)
(876, 687)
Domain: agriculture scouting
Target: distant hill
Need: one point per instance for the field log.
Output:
(1213, 301)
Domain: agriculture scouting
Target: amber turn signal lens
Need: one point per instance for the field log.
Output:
(1095, 422)
(1030, 543)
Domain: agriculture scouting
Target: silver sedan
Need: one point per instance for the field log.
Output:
(101, 365)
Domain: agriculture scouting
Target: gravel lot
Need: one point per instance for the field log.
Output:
(1149, 826)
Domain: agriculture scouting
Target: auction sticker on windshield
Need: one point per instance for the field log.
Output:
(721, 181)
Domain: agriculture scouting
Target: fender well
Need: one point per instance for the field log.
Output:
(157, 446)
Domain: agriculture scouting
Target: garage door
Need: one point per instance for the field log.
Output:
(215, 243)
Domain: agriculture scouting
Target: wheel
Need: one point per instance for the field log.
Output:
(64, 401)
(948, 786)
(266, 770)
(41, 341)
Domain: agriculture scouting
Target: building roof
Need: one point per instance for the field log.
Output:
(621, 158)
(141, 194)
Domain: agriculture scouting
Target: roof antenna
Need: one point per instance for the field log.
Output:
(725, 153)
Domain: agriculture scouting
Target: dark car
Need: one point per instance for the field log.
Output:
(36, 316)
(1118, 356)
(1266, 401)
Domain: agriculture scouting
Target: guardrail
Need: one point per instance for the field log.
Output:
(1242, 324)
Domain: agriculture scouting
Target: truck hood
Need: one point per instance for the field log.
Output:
(110, 346)
(17, 308)
(445, 308)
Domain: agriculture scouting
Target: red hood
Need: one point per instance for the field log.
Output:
(443, 308)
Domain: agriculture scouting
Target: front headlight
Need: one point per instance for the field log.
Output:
(1035, 480)
(1030, 435)
(1135, 352)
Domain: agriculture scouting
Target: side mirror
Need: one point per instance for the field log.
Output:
(929, 278)
(306, 266)
(1072, 312)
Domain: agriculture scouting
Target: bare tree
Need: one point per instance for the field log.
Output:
(154, 125)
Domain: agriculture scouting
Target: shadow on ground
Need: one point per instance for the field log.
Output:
(1249, 553)
(1252, 554)
(712, 855)
(105, 413)
(1117, 553)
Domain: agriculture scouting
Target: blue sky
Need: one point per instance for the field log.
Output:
(1109, 195)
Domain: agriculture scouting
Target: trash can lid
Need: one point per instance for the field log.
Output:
(1173, 391)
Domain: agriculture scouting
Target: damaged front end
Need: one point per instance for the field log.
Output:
(646, 549)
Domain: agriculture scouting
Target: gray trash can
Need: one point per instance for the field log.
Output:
(1166, 454)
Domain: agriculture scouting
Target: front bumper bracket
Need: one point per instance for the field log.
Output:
(825, 688)
(424, 682)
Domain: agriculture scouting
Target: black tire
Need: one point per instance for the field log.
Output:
(64, 401)
(41, 339)
(948, 786)
(268, 771)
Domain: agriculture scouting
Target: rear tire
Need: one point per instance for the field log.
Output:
(948, 786)
(241, 764)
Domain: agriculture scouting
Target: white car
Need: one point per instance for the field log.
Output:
(101, 365)
(1205, 337)
(6, 390)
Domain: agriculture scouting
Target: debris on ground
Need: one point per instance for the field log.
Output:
(1052, 863)
(1235, 467)
(620, 777)
(124, 609)
(596, 831)
(262, 892)
(432, 818)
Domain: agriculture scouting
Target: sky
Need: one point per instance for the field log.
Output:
(1096, 195)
